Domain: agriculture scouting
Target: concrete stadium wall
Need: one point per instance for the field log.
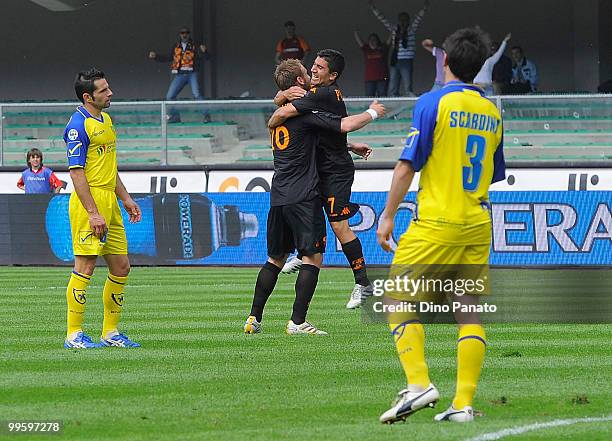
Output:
(42, 50)
(605, 40)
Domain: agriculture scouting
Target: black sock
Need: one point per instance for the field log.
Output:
(305, 286)
(266, 280)
(354, 255)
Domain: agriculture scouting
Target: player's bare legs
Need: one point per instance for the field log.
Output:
(278, 262)
(85, 264)
(351, 246)
(118, 264)
(343, 232)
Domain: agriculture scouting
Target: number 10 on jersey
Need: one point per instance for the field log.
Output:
(279, 138)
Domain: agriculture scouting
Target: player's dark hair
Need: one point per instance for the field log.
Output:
(518, 48)
(34, 152)
(84, 82)
(466, 51)
(287, 73)
(334, 59)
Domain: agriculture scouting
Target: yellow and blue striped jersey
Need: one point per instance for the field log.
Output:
(456, 142)
(92, 145)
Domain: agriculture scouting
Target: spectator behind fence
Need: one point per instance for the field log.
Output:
(403, 47)
(439, 53)
(484, 78)
(375, 57)
(292, 46)
(502, 73)
(37, 178)
(184, 65)
(524, 73)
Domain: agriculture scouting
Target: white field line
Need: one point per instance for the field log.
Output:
(537, 426)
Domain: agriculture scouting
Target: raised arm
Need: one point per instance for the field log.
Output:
(358, 39)
(500, 51)
(428, 44)
(379, 15)
(419, 17)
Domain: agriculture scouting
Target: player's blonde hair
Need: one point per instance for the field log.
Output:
(287, 73)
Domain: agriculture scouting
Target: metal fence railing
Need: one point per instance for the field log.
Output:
(152, 122)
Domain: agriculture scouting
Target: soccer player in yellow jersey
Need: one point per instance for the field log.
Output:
(456, 143)
(95, 217)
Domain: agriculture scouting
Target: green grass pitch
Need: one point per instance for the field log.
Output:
(197, 377)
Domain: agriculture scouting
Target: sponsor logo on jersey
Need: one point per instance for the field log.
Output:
(73, 134)
(105, 148)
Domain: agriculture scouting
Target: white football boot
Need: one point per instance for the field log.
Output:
(304, 328)
(464, 415)
(359, 295)
(406, 403)
(292, 265)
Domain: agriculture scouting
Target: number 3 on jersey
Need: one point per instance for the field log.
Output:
(279, 138)
(475, 150)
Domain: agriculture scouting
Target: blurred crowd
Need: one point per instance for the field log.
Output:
(388, 60)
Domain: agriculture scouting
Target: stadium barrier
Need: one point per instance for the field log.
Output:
(528, 176)
(536, 128)
(530, 228)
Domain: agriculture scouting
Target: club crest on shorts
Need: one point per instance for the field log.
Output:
(79, 295)
(117, 298)
(85, 237)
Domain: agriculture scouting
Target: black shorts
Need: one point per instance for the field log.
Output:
(298, 226)
(336, 193)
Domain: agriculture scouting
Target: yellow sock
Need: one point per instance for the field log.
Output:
(112, 297)
(410, 343)
(470, 356)
(76, 299)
